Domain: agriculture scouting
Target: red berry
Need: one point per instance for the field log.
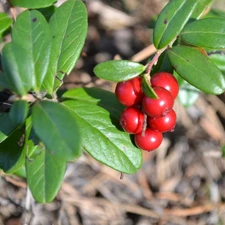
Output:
(167, 81)
(130, 92)
(164, 123)
(149, 141)
(158, 107)
(132, 120)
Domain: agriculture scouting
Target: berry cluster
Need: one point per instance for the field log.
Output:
(145, 117)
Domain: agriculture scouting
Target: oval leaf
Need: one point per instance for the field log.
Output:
(31, 31)
(57, 129)
(171, 21)
(17, 66)
(102, 139)
(209, 33)
(32, 4)
(197, 69)
(5, 22)
(44, 174)
(18, 112)
(118, 70)
(68, 35)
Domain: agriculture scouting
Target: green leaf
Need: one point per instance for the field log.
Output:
(31, 31)
(147, 88)
(202, 6)
(68, 35)
(18, 112)
(171, 21)
(7, 126)
(118, 70)
(5, 22)
(17, 68)
(12, 152)
(223, 151)
(102, 137)
(197, 69)
(45, 173)
(97, 96)
(209, 33)
(56, 127)
(32, 4)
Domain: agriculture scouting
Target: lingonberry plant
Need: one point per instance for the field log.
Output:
(40, 133)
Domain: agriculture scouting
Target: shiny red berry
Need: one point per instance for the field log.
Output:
(149, 141)
(158, 107)
(164, 123)
(129, 92)
(132, 120)
(167, 81)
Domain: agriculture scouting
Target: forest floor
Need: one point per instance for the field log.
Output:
(181, 183)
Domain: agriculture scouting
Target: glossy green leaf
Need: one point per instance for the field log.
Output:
(18, 112)
(103, 98)
(68, 35)
(45, 173)
(56, 127)
(219, 60)
(32, 4)
(31, 31)
(5, 22)
(201, 8)
(17, 67)
(103, 138)
(209, 33)
(118, 70)
(197, 69)
(12, 152)
(7, 126)
(171, 21)
(147, 88)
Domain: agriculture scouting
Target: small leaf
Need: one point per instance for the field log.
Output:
(44, 174)
(12, 152)
(209, 33)
(223, 151)
(18, 112)
(102, 139)
(147, 88)
(197, 69)
(31, 31)
(17, 68)
(56, 127)
(7, 126)
(171, 21)
(5, 22)
(32, 4)
(68, 35)
(118, 70)
(97, 96)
